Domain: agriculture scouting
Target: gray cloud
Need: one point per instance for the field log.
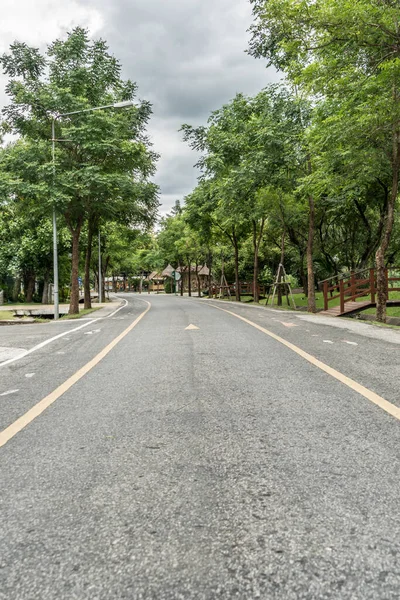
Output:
(187, 56)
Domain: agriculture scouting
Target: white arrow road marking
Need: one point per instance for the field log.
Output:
(29, 375)
(8, 392)
(328, 342)
(351, 343)
(190, 327)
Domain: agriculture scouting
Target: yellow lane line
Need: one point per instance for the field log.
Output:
(357, 387)
(7, 434)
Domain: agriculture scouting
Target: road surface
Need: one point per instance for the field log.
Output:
(206, 463)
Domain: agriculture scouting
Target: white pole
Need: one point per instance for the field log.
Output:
(100, 277)
(55, 250)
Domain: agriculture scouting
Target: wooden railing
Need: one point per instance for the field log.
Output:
(245, 289)
(357, 284)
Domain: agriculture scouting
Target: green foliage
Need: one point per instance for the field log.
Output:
(103, 159)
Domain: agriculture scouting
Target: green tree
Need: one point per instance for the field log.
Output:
(103, 158)
(346, 51)
(251, 151)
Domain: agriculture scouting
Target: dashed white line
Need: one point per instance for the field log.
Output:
(328, 342)
(29, 375)
(351, 343)
(8, 392)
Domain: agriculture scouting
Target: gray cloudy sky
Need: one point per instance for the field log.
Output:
(187, 57)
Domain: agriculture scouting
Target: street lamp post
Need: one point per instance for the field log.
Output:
(55, 249)
(100, 274)
(116, 105)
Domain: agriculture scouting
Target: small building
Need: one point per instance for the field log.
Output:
(156, 282)
(203, 272)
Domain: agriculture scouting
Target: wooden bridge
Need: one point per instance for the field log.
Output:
(356, 291)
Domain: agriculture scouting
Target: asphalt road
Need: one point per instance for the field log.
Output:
(204, 463)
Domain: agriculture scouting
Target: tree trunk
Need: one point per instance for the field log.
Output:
(198, 280)
(381, 283)
(88, 258)
(210, 266)
(16, 289)
(236, 249)
(181, 280)
(280, 270)
(256, 246)
(30, 289)
(310, 262)
(104, 267)
(189, 278)
(74, 300)
(310, 248)
(45, 293)
(303, 277)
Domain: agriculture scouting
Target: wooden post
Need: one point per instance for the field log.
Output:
(372, 284)
(325, 295)
(341, 288)
(353, 286)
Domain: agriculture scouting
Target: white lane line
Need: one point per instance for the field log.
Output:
(29, 375)
(60, 352)
(351, 343)
(328, 342)
(385, 405)
(60, 335)
(8, 392)
(88, 333)
(120, 308)
(36, 410)
(45, 343)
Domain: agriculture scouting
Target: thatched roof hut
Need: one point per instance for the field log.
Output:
(168, 271)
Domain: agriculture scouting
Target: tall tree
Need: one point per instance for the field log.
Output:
(347, 51)
(103, 159)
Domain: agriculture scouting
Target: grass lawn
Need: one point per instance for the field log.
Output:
(393, 311)
(301, 300)
(6, 315)
(84, 311)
